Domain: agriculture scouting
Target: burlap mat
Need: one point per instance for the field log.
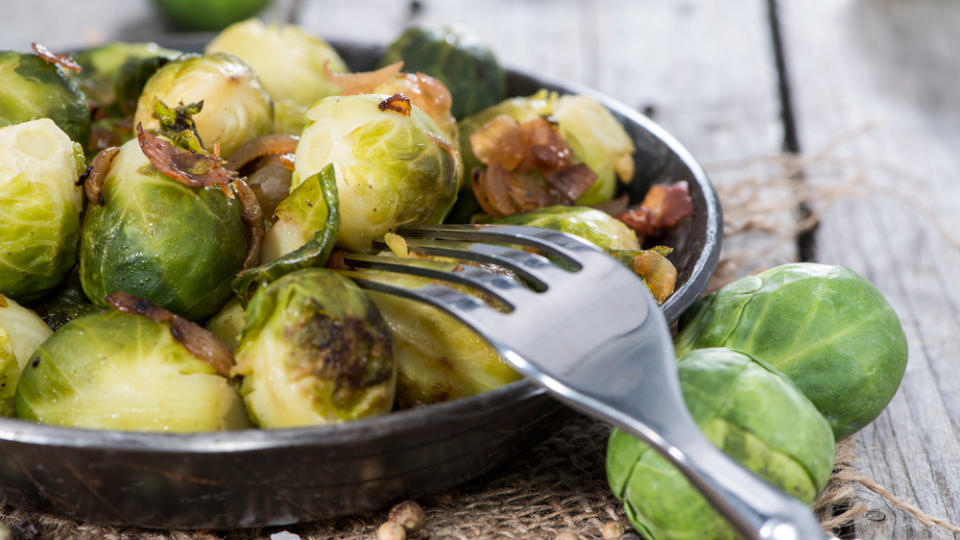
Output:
(561, 485)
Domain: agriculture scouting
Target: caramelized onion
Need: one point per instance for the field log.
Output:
(572, 182)
(490, 189)
(658, 272)
(528, 193)
(360, 83)
(269, 145)
(184, 166)
(55, 58)
(253, 218)
(92, 178)
(499, 141)
(201, 343)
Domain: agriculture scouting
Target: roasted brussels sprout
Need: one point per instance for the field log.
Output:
(32, 88)
(228, 323)
(392, 165)
(151, 236)
(115, 370)
(21, 332)
(40, 206)
(828, 329)
(315, 350)
(291, 64)
(749, 410)
(570, 146)
(114, 73)
(461, 62)
(235, 107)
(610, 234)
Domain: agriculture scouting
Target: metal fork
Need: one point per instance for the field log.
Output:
(596, 340)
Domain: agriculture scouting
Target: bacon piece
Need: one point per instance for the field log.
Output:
(360, 83)
(547, 149)
(397, 102)
(572, 182)
(663, 206)
(55, 58)
(92, 178)
(184, 166)
(200, 342)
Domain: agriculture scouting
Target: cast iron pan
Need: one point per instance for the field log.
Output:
(258, 478)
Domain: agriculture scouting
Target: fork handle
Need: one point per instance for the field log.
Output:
(755, 508)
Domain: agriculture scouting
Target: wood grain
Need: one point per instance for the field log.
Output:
(892, 64)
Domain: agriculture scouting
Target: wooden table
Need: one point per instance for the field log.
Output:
(865, 89)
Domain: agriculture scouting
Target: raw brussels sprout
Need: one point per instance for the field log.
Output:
(175, 245)
(116, 370)
(315, 351)
(595, 137)
(289, 62)
(828, 329)
(32, 88)
(461, 62)
(751, 412)
(21, 332)
(236, 108)
(40, 206)
(114, 74)
(392, 165)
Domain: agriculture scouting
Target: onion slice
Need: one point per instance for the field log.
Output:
(360, 83)
(55, 58)
(92, 179)
(268, 145)
(184, 166)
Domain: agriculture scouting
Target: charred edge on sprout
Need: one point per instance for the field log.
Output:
(397, 102)
(55, 58)
(202, 344)
(92, 178)
(184, 166)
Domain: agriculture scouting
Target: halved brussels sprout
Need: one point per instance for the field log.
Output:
(32, 88)
(315, 350)
(289, 62)
(228, 323)
(156, 238)
(21, 332)
(751, 412)
(116, 370)
(465, 65)
(827, 328)
(236, 108)
(40, 206)
(392, 165)
(594, 138)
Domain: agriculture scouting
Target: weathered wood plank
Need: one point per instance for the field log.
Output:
(894, 63)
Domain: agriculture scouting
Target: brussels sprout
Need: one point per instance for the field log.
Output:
(314, 351)
(461, 62)
(65, 303)
(32, 88)
(303, 236)
(828, 329)
(749, 410)
(116, 370)
(594, 136)
(290, 64)
(236, 108)
(21, 332)
(114, 73)
(590, 224)
(40, 205)
(154, 237)
(208, 15)
(228, 323)
(392, 165)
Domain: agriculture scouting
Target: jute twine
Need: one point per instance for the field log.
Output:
(561, 485)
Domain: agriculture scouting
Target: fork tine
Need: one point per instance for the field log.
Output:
(470, 310)
(504, 288)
